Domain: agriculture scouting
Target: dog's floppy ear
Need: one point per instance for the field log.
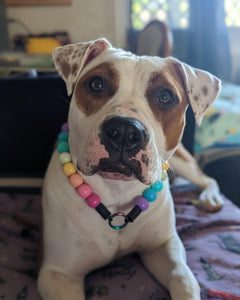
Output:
(71, 59)
(201, 87)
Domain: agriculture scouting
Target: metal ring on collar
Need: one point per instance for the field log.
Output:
(119, 214)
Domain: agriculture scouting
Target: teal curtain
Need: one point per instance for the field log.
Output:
(208, 46)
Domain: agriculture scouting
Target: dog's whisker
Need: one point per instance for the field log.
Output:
(171, 173)
(62, 98)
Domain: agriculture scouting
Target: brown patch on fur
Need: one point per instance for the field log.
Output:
(171, 117)
(74, 69)
(204, 90)
(69, 51)
(134, 110)
(88, 101)
(66, 69)
(196, 97)
(217, 85)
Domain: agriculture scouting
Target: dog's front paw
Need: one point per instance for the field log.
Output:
(210, 198)
(184, 286)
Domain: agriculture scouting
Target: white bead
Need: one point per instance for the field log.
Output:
(65, 157)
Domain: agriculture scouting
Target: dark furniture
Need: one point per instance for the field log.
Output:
(227, 173)
(32, 111)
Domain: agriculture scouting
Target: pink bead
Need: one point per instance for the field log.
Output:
(93, 200)
(75, 180)
(84, 190)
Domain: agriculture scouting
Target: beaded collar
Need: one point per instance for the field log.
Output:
(92, 199)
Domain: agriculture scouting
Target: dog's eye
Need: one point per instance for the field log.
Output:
(96, 84)
(165, 97)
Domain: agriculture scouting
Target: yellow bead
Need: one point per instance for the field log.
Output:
(165, 166)
(69, 169)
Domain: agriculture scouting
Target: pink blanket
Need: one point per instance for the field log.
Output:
(212, 242)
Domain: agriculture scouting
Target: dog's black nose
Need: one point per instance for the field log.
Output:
(123, 135)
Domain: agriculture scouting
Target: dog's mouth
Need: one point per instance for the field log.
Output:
(116, 176)
(122, 169)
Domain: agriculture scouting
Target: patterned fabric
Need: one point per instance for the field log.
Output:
(212, 241)
(221, 124)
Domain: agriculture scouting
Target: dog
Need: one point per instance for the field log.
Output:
(126, 119)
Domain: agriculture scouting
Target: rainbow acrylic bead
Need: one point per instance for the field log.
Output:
(93, 200)
(164, 175)
(157, 186)
(64, 157)
(63, 147)
(150, 195)
(69, 169)
(65, 127)
(142, 203)
(84, 190)
(75, 180)
(63, 136)
(165, 166)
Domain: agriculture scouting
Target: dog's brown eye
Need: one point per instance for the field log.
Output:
(165, 97)
(96, 84)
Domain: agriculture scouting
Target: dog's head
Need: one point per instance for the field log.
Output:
(127, 112)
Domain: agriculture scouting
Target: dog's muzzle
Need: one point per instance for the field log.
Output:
(123, 138)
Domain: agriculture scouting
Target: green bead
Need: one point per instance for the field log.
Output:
(63, 147)
(164, 175)
(65, 157)
(63, 136)
(157, 186)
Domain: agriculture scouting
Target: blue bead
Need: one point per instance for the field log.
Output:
(63, 136)
(157, 186)
(150, 195)
(63, 147)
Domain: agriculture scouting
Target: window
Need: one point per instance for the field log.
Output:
(174, 12)
(232, 9)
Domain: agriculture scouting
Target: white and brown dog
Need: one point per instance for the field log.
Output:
(126, 118)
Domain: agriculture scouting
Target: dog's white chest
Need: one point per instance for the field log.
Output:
(79, 231)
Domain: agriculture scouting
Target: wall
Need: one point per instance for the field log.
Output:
(84, 20)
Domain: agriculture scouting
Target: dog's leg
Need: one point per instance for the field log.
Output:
(185, 166)
(168, 266)
(54, 285)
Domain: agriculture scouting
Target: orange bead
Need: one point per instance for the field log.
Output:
(165, 166)
(76, 180)
(69, 169)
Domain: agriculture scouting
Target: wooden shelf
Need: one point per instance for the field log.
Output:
(37, 2)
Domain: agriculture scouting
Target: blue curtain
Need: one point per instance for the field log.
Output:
(208, 38)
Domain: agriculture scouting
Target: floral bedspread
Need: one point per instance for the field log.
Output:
(212, 241)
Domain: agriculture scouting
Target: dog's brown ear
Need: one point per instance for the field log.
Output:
(71, 59)
(201, 87)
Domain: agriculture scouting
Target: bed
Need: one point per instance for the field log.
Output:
(212, 242)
